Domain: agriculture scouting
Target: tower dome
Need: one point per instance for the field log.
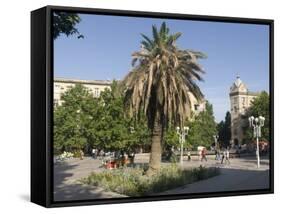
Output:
(238, 81)
(238, 86)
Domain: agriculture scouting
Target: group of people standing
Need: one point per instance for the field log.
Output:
(98, 153)
(223, 156)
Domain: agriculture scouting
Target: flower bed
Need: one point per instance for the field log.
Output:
(64, 156)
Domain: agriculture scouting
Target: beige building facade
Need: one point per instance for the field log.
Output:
(196, 105)
(240, 100)
(61, 85)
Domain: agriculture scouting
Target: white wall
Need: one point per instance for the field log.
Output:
(15, 107)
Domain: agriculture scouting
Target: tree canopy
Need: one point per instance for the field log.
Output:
(202, 128)
(260, 107)
(112, 129)
(72, 119)
(83, 120)
(162, 78)
(224, 130)
(64, 23)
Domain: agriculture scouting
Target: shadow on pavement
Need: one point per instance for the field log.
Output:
(61, 174)
(228, 180)
(65, 189)
(262, 162)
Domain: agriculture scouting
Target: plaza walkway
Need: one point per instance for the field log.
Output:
(240, 174)
(67, 185)
(229, 180)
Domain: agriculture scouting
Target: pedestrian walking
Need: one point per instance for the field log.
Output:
(223, 156)
(203, 155)
(188, 156)
(81, 154)
(102, 153)
(227, 156)
(239, 151)
(217, 152)
(94, 153)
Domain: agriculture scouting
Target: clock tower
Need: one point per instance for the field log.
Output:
(240, 100)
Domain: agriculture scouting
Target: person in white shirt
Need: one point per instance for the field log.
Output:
(94, 153)
(227, 156)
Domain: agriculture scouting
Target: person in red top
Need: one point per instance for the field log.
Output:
(203, 155)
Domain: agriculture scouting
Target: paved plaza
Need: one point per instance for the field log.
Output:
(241, 174)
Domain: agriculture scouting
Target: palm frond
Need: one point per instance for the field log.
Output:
(148, 40)
(163, 78)
(155, 35)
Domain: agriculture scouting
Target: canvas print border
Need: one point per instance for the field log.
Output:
(45, 195)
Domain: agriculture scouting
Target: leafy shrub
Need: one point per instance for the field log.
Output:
(133, 182)
(174, 158)
(77, 154)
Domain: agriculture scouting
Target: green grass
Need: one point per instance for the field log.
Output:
(133, 182)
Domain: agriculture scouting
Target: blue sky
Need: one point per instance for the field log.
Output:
(105, 52)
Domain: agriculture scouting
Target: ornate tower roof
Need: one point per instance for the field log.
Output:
(238, 86)
(238, 81)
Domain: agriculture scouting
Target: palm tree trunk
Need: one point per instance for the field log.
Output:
(156, 148)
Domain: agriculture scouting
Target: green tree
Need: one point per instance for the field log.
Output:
(202, 128)
(260, 107)
(140, 136)
(72, 120)
(101, 123)
(171, 138)
(64, 23)
(224, 130)
(159, 83)
(111, 129)
(220, 128)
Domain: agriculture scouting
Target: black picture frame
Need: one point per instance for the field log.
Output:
(42, 104)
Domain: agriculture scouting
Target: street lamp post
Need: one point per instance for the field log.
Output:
(257, 123)
(182, 134)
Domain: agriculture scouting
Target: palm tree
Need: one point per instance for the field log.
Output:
(160, 85)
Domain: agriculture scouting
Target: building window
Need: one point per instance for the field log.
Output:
(96, 92)
(243, 101)
(56, 102)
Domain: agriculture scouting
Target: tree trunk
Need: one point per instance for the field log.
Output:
(156, 148)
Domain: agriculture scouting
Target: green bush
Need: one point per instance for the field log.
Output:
(76, 154)
(133, 182)
(174, 158)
